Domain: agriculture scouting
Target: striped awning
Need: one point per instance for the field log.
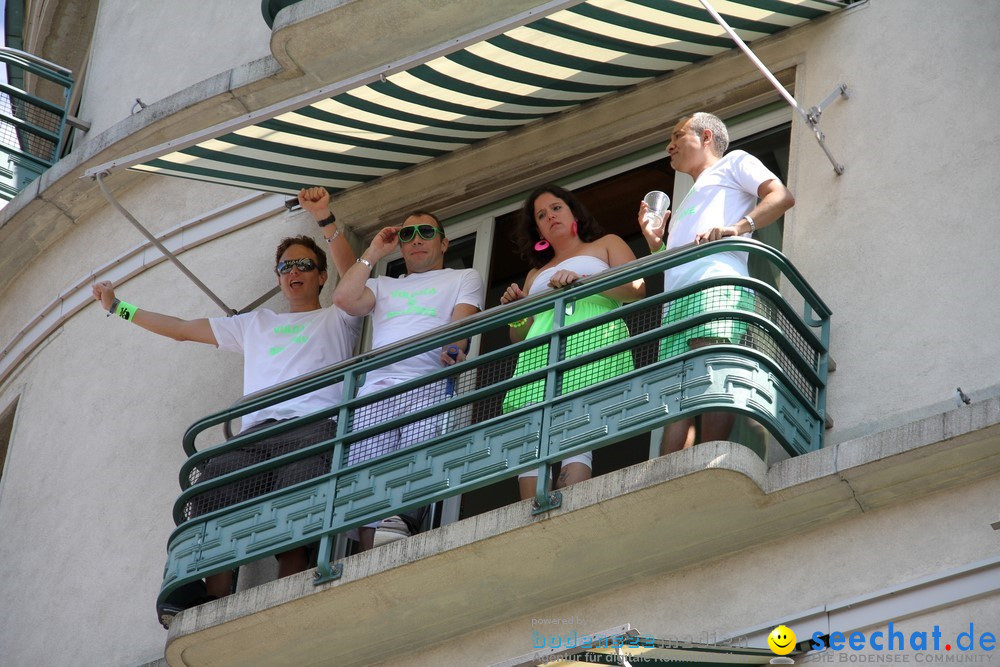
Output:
(485, 88)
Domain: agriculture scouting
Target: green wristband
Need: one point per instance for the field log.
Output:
(126, 311)
(663, 246)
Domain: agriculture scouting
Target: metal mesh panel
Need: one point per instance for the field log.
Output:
(411, 432)
(759, 339)
(476, 375)
(766, 308)
(264, 482)
(736, 330)
(24, 140)
(488, 375)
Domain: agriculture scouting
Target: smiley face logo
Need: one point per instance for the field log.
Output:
(781, 640)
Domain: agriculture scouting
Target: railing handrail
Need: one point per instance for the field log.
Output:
(14, 91)
(494, 316)
(811, 372)
(11, 55)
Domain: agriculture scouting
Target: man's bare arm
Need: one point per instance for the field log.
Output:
(199, 330)
(775, 199)
(352, 295)
(460, 312)
(317, 202)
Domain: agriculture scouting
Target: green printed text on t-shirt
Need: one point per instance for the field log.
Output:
(296, 331)
(412, 305)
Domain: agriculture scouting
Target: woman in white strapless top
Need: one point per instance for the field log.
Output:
(564, 243)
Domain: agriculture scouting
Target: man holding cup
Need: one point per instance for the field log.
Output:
(733, 195)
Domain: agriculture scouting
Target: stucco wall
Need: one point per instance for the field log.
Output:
(898, 244)
(151, 50)
(773, 583)
(92, 469)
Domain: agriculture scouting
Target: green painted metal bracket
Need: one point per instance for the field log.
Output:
(550, 501)
(327, 572)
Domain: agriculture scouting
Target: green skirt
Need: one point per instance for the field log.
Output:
(577, 344)
(721, 297)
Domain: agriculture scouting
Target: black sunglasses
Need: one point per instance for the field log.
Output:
(427, 232)
(304, 264)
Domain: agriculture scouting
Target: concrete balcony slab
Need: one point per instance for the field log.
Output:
(662, 515)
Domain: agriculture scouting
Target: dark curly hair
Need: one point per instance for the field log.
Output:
(527, 234)
(306, 242)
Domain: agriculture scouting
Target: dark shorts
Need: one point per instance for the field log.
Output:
(263, 450)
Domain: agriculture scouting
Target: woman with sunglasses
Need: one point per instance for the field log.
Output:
(563, 243)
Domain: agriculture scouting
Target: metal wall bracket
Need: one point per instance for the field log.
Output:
(549, 502)
(811, 117)
(327, 572)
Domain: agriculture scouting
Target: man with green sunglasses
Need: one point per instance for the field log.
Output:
(426, 297)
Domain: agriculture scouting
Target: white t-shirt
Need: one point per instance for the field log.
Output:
(415, 303)
(723, 194)
(280, 346)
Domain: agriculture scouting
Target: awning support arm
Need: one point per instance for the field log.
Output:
(259, 301)
(811, 117)
(156, 242)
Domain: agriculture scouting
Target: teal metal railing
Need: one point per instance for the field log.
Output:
(32, 130)
(773, 369)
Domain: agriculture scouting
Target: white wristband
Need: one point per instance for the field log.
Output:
(362, 260)
(753, 225)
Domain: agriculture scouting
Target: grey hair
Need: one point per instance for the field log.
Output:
(702, 121)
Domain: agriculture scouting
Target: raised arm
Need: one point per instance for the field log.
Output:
(317, 202)
(352, 295)
(199, 331)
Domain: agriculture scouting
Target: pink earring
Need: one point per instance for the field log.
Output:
(574, 228)
(542, 246)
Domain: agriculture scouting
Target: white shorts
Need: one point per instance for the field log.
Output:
(587, 459)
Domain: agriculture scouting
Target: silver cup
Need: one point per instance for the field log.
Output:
(658, 203)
